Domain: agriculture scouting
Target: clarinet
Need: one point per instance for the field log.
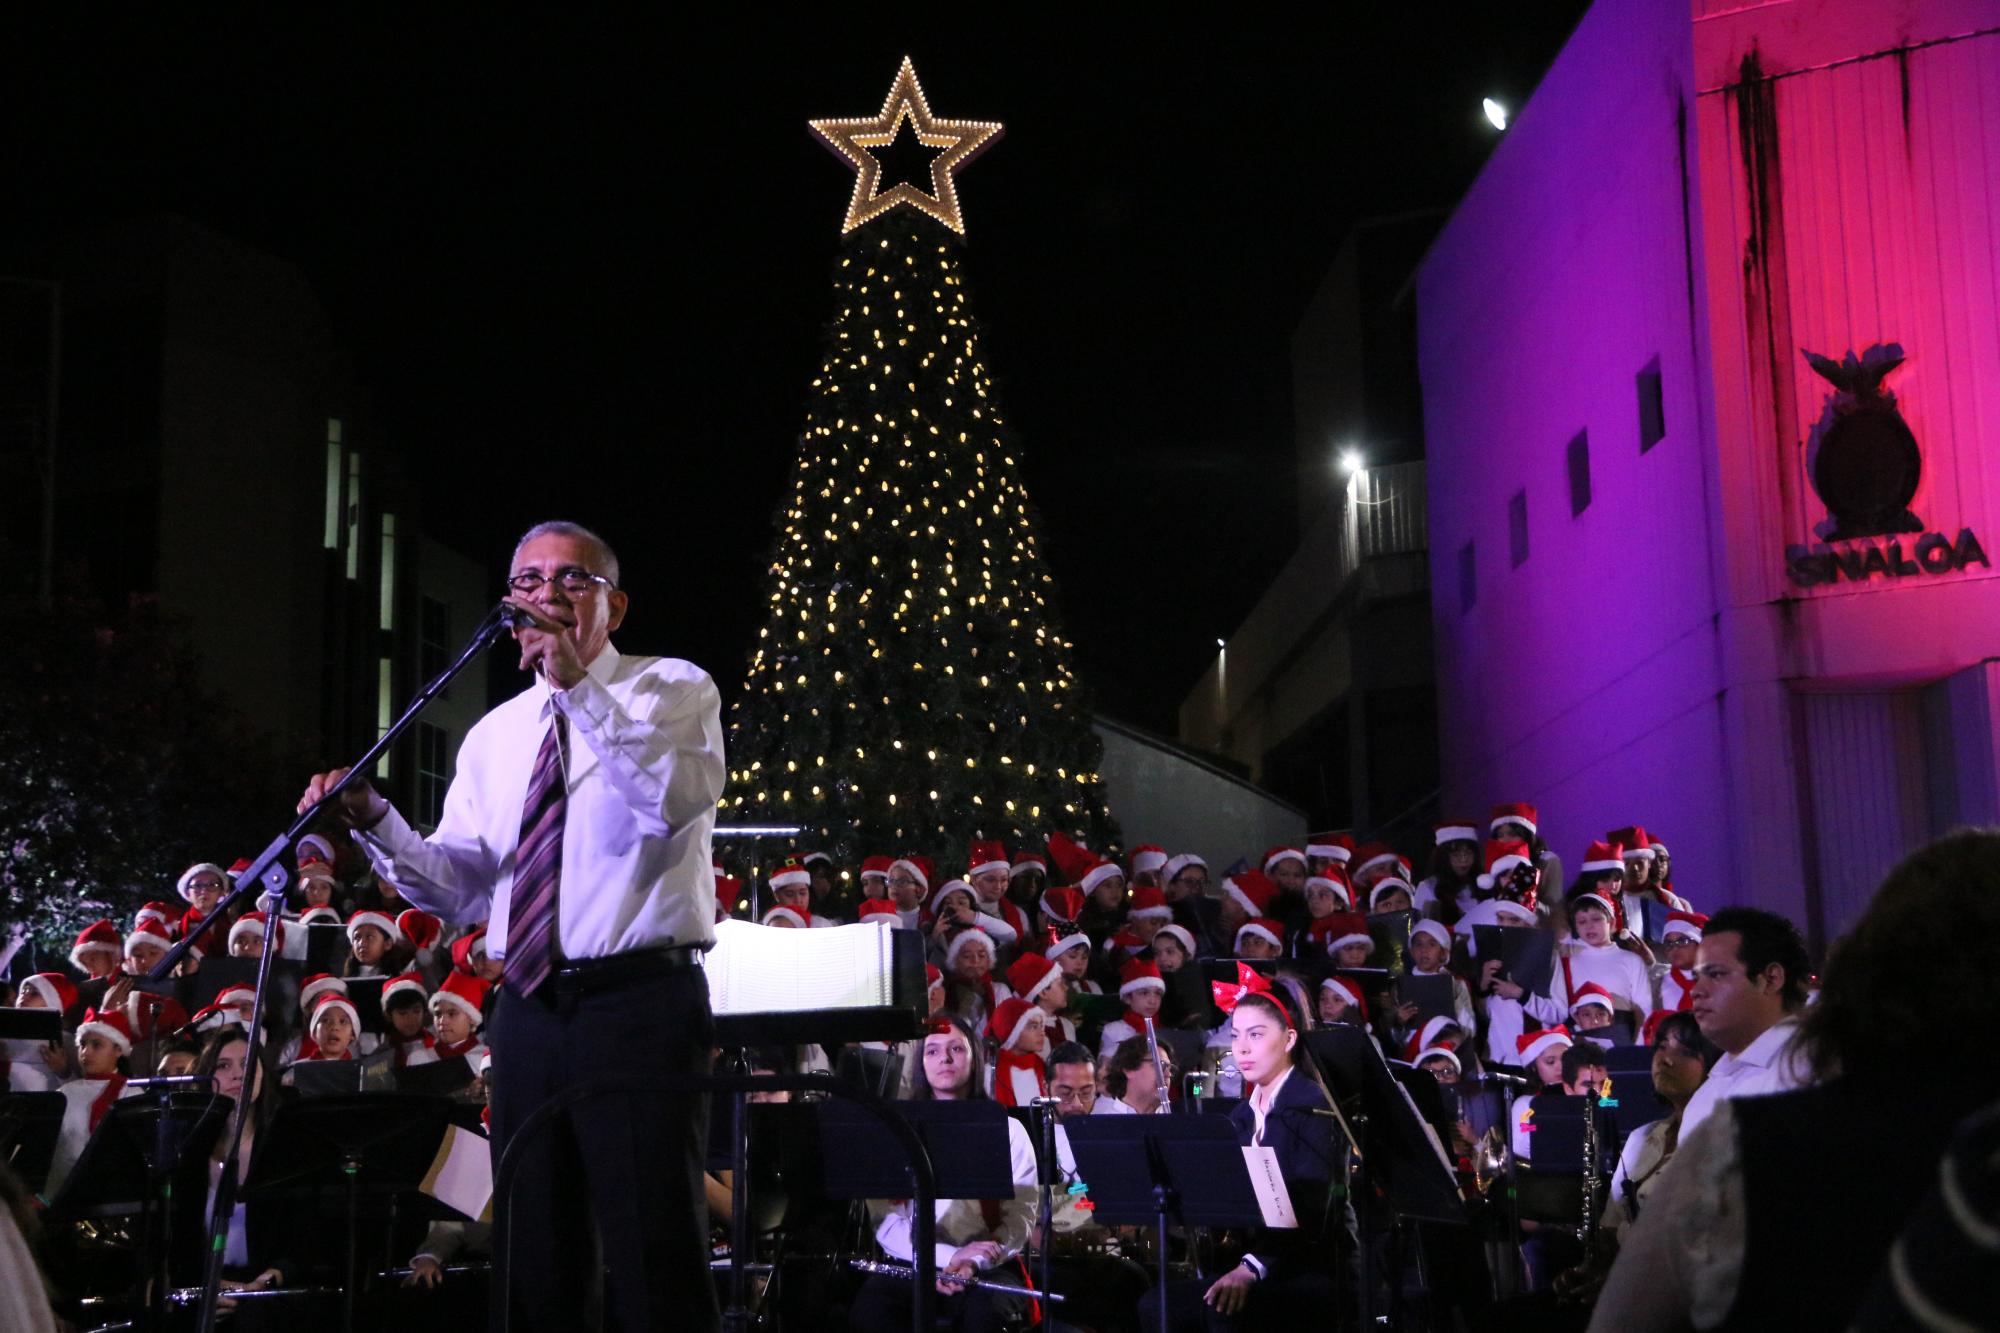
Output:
(909, 1273)
(1587, 1220)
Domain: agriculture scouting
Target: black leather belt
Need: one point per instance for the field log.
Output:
(591, 974)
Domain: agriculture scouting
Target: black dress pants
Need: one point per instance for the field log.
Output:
(607, 1224)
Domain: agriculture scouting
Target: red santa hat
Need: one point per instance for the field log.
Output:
(920, 868)
(232, 997)
(1252, 889)
(1062, 904)
(1653, 840)
(880, 909)
(237, 867)
(315, 867)
(97, 937)
(1098, 873)
(316, 846)
(1081, 866)
(1591, 993)
(112, 1025)
(252, 923)
(382, 921)
(1264, 928)
(321, 915)
(1031, 974)
(1529, 1045)
(1371, 855)
(951, 886)
(933, 976)
(1178, 863)
(1148, 900)
(1597, 900)
(1455, 830)
(1347, 986)
(1437, 1053)
(983, 856)
(466, 949)
(1336, 847)
(1690, 924)
(463, 992)
(1387, 885)
(331, 1002)
(967, 936)
(1653, 1021)
(1180, 933)
(58, 992)
(1503, 858)
(728, 892)
(1494, 912)
(1632, 840)
(1010, 1020)
(408, 981)
(1335, 883)
(1025, 862)
(1148, 857)
(1273, 855)
(318, 984)
(420, 928)
(810, 857)
(1059, 945)
(1437, 930)
(1427, 1036)
(1138, 975)
(789, 914)
(1600, 857)
(150, 1014)
(876, 867)
(1517, 812)
(199, 867)
(161, 914)
(790, 873)
(1346, 928)
(148, 931)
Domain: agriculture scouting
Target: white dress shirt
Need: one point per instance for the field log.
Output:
(1767, 1064)
(645, 769)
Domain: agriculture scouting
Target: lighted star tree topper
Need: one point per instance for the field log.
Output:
(911, 688)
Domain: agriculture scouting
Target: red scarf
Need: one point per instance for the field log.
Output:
(1685, 980)
(1136, 1023)
(99, 1108)
(466, 1047)
(403, 1046)
(1004, 1066)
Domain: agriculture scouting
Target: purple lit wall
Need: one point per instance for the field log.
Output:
(1693, 196)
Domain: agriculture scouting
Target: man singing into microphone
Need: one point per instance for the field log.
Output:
(578, 826)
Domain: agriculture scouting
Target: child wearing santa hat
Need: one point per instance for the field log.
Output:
(1020, 1029)
(1341, 1001)
(1541, 1055)
(1142, 988)
(970, 990)
(1673, 980)
(335, 1029)
(377, 947)
(1429, 956)
(1070, 950)
(458, 1012)
(103, 1044)
(1260, 938)
(1040, 981)
(1590, 1009)
(405, 1003)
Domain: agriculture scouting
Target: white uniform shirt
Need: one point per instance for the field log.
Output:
(1767, 1064)
(645, 769)
(962, 1221)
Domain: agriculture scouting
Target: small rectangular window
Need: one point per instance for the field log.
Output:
(388, 572)
(1468, 579)
(354, 516)
(1517, 528)
(335, 467)
(1652, 407)
(432, 762)
(1579, 473)
(384, 714)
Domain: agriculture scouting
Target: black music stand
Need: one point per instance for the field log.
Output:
(145, 1150)
(1164, 1169)
(30, 1122)
(376, 1144)
(1634, 1102)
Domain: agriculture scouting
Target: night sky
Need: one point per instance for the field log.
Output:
(583, 269)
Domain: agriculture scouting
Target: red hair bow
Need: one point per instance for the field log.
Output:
(1249, 981)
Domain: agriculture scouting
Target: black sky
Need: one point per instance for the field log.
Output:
(583, 267)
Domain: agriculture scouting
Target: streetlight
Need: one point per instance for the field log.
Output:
(1351, 461)
(1495, 113)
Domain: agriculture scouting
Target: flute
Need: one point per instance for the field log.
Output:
(909, 1273)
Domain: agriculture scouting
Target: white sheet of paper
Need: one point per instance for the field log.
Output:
(1269, 1183)
(462, 1174)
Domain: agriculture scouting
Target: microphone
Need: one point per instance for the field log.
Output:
(513, 617)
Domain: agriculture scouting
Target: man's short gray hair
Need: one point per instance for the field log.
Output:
(607, 559)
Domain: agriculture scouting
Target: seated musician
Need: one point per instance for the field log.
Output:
(1102, 1284)
(1283, 1272)
(258, 1248)
(974, 1236)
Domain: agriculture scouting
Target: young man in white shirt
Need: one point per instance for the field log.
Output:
(1750, 984)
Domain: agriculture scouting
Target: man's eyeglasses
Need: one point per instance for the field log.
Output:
(573, 581)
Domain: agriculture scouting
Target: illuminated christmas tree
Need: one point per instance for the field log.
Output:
(911, 688)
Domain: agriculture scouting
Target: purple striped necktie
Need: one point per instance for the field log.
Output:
(531, 911)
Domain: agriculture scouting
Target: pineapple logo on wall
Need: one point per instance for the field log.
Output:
(1864, 462)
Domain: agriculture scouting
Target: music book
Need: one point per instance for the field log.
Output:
(1526, 954)
(1431, 994)
(769, 969)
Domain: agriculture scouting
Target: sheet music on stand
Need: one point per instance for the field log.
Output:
(767, 984)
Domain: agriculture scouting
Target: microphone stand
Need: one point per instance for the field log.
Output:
(1043, 1110)
(268, 873)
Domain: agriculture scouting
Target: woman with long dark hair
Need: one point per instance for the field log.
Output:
(256, 1247)
(974, 1236)
(1283, 1272)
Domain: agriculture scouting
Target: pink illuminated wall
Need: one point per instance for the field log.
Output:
(1719, 187)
